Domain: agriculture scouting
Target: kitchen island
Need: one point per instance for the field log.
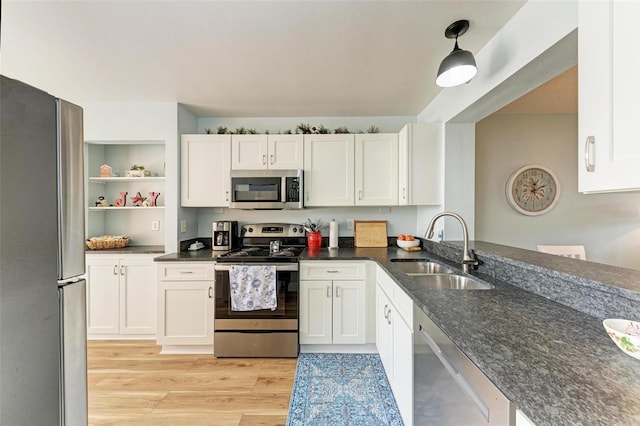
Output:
(554, 361)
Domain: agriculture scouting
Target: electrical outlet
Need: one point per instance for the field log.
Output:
(349, 223)
(155, 225)
(183, 226)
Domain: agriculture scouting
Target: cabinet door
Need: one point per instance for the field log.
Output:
(186, 313)
(316, 299)
(205, 174)
(384, 336)
(608, 93)
(376, 169)
(402, 382)
(349, 312)
(137, 296)
(421, 164)
(286, 152)
(102, 295)
(329, 170)
(249, 152)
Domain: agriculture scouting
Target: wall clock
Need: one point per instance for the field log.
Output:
(533, 190)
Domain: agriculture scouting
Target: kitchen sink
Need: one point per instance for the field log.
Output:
(449, 281)
(421, 267)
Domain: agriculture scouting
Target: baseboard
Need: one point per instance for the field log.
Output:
(187, 349)
(366, 348)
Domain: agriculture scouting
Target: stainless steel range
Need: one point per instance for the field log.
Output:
(249, 320)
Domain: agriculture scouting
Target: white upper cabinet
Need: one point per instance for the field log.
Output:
(262, 152)
(329, 170)
(205, 174)
(421, 164)
(608, 146)
(376, 169)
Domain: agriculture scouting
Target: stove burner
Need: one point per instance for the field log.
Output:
(256, 253)
(288, 252)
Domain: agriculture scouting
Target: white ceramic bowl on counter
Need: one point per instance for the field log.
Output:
(625, 334)
(405, 243)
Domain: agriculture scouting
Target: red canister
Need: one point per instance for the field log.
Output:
(314, 239)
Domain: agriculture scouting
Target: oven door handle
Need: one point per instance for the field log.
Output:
(286, 267)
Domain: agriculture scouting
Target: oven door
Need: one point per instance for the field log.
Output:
(287, 277)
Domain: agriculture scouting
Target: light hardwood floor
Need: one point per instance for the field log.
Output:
(130, 383)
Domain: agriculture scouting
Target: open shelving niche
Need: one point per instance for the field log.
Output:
(130, 220)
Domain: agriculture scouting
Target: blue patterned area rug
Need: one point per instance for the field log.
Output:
(342, 389)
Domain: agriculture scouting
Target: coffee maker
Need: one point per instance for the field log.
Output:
(223, 235)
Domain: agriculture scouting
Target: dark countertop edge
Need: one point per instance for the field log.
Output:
(151, 249)
(526, 394)
(202, 255)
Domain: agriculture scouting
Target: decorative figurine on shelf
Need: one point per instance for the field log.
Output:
(135, 171)
(105, 170)
(122, 201)
(101, 202)
(154, 198)
(138, 199)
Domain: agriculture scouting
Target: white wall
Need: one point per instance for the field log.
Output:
(134, 122)
(608, 225)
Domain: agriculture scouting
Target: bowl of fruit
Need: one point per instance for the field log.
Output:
(406, 241)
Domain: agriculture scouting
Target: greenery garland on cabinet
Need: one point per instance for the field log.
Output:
(301, 129)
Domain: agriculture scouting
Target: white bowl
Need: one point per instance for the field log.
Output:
(625, 334)
(405, 243)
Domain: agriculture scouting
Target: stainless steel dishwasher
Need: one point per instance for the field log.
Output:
(448, 388)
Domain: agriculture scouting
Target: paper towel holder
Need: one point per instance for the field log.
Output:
(333, 234)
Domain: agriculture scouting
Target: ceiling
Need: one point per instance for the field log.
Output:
(243, 58)
(557, 96)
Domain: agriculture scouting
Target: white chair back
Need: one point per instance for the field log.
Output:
(575, 251)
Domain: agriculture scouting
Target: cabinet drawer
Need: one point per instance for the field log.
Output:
(397, 296)
(332, 270)
(200, 271)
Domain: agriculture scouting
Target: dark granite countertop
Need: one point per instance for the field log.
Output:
(204, 254)
(129, 250)
(556, 363)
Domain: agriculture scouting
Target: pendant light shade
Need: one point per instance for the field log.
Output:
(459, 66)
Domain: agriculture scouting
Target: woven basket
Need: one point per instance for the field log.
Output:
(106, 242)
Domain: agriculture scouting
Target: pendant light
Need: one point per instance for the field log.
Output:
(459, 66)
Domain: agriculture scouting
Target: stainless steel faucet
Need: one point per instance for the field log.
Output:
(468, 259)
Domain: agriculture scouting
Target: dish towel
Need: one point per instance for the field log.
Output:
(253, 287)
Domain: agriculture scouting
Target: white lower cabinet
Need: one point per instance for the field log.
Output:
(186, 303)
(121, 296)
(333, 298)
(394, 340)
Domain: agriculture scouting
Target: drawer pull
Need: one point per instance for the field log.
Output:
(115, 269)
(589, 153)
(332, 272)
(210, 292)
(186, 272)
(337, 291)
(329, 291)
(121, 269)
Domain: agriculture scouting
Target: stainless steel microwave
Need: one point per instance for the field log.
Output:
(267, 189)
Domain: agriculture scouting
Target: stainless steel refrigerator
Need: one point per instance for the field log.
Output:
(43, 364)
